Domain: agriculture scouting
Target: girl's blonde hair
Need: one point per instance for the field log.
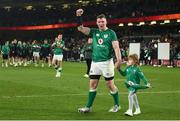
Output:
(134, 57)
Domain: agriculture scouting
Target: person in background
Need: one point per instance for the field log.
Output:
(24, 53)
(36, 50)
(87, 52)
(58, 46)
(19, 53)
(45, 52)
(5, 54)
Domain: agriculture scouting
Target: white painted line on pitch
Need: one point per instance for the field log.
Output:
(38, 96)
(122, 80)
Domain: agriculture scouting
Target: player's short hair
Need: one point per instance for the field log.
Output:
(101, 16)
(135, 58)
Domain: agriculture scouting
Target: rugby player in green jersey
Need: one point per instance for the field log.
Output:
(45, 52)
(19, 53)
(36, 50)
(103, 44)
(5, 54)
(24, 53)
(13, 53)
(58, 46)
(134, 76)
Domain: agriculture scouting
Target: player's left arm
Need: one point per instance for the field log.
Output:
(115, 44)
(62, 45)
(81, 28)
(142, 77)
(116, 48)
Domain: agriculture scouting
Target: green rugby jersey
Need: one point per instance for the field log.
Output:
(25, 49)
(46, 46)
(19, 49)
(57, 49)
(102, 44)
(13, 47)
(134, 74)
(36, 48)
(5, 49)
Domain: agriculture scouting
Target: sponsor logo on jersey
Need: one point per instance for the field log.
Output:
(100, 41)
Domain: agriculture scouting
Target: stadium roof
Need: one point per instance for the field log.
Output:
(21, 3)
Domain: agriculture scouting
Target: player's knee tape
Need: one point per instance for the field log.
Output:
(95, 77)
(56, 67)
(109, 78)
(114, 92)
(92, 90)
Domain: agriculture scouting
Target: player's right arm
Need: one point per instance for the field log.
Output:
(81, 28)
(84, 30)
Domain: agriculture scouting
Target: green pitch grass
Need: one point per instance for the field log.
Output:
(34, 93)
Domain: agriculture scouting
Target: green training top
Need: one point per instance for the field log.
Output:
(87, 51)
(5, 49)
(102, 44)
(133, 74)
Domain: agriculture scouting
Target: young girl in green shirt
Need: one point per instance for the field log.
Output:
(134, 76)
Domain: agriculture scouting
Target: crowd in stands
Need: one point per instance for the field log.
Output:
(149, 50)
(57, 14)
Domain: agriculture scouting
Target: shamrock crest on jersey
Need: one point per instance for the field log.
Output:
(106, 36)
